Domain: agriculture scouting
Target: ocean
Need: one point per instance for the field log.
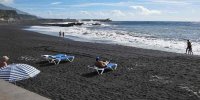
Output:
(164, 36)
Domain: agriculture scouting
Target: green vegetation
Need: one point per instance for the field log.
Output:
(12, 14)
(7, 14)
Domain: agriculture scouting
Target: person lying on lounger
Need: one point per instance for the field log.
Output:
(101, 64)
(3, 61)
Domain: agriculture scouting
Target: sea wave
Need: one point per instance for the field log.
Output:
(111, 36)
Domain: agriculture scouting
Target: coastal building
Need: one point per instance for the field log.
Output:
(11, 20)
(2, 19)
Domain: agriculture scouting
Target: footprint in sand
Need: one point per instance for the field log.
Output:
(28, 58)
(160, 79)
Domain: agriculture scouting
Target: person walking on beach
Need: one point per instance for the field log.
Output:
(189, 48)
(3, 61)
(60, 34)
(63, 34)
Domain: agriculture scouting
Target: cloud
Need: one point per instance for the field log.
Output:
(118, 13)
(56, 3)
(6, 1)
(144, 11)
(113, 14)
(102, 4)
(85, 12)
(174, 2)
(129, 3)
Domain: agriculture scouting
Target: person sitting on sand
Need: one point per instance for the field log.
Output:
(101, 64)
(189, 47)
(3, 61)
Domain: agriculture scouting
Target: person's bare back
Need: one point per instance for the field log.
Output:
(101, 64)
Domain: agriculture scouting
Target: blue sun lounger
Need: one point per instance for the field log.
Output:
(56, 59)
(112, 66)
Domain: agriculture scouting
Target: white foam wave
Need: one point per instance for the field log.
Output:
(82, 33)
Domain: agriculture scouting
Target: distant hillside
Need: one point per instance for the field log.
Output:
(6, 14)
(9, 12)
(3, 7)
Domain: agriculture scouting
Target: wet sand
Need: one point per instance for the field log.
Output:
(141, 74)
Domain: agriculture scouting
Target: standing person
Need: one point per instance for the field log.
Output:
(3, 61)
(60, 34)
(63, 34)
(189, 47)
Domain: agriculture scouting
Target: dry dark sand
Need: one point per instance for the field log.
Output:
(141, 74)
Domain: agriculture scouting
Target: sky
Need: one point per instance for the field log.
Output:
(118, 10)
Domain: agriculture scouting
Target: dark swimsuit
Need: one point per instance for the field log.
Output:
(189, 46)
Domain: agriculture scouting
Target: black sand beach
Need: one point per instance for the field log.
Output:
(141, 74)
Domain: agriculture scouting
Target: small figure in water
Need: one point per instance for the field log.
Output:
(189, 48)
(63, 34)
(60, 34)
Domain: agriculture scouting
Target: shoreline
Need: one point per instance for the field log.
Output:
(161, 44)
(141, 73)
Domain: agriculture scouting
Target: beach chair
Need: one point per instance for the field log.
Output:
(56, 59)
(112, 66)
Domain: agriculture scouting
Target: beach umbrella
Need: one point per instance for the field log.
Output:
(17, 72)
